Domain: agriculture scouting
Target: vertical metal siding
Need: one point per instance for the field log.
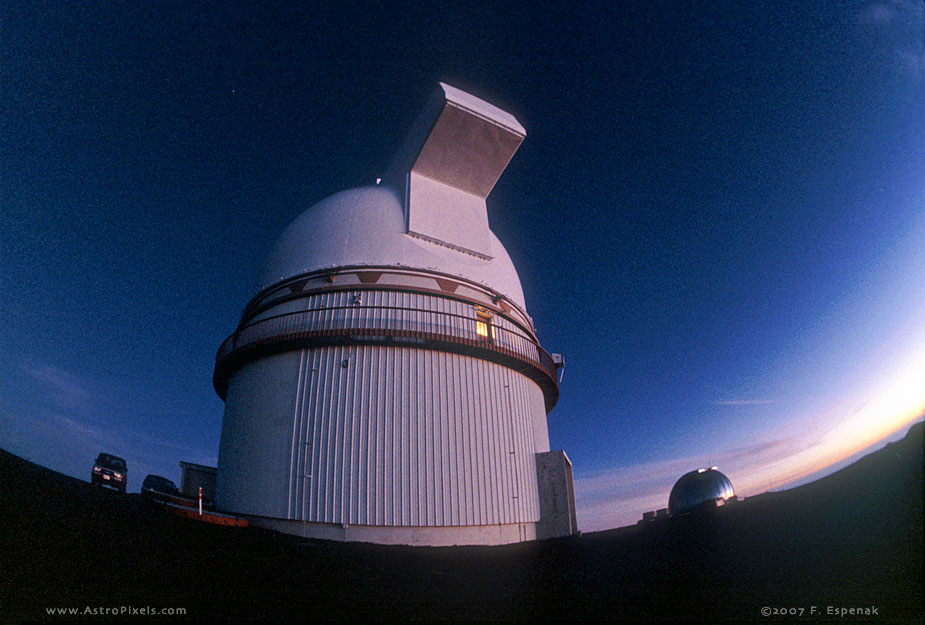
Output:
(453, 445)
(400, 436)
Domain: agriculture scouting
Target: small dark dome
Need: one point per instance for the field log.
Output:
(697, 487)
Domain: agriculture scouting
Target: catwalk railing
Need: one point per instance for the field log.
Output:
(388, 325)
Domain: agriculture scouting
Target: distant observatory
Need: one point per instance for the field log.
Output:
(386, 383)
(699, 488)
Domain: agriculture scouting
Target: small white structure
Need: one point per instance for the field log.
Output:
(386, 383)
(195, 476)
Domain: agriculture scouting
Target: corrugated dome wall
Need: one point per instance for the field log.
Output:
(398, 436)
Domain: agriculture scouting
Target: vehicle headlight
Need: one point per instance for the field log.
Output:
(97, 469)
(118, 476)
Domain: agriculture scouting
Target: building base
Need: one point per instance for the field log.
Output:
(393, 535)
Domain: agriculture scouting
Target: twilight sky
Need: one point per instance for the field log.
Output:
(718, 216)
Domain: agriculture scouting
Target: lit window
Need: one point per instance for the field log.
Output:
(483, 325)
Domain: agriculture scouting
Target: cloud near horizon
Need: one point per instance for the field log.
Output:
(65, 389)
(619, 496)
(743, 402)
(798, 448)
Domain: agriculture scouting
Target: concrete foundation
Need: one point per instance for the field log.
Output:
(393, 535)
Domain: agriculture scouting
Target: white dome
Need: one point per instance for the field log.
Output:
(366, 226)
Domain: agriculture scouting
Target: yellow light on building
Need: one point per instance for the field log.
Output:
(483, 325)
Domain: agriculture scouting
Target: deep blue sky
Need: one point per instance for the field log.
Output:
(718, 213)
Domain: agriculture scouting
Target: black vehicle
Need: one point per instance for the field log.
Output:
(156, 485)
(109, 470)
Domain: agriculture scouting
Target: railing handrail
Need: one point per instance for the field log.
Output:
(508, 344)
(385, 307)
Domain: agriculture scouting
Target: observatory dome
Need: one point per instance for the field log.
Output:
(366, 226)
(697, 487)
(386, 384)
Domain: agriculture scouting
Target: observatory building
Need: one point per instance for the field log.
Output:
(699, 488)
(386, 384)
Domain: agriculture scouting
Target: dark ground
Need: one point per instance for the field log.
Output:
(852, 539)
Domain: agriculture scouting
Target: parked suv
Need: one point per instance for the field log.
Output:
(109, 470)
(155, 485)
